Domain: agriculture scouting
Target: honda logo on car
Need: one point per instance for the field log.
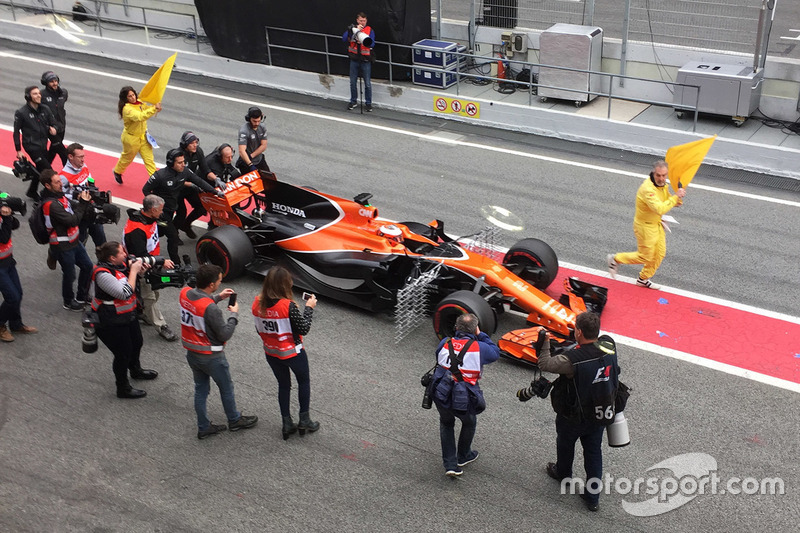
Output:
(240, 181)
(289, 210)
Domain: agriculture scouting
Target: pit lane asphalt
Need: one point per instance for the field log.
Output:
(74, 458)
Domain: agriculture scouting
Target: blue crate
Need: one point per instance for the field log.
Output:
(437, 53)
(441, 79)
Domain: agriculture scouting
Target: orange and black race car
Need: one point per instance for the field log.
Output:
(341, 249)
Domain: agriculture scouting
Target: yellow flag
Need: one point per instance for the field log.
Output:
(685, 159)
(153, 91)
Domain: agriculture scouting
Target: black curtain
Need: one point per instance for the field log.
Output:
(236, 29)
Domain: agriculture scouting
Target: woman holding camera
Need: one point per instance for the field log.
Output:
(114, 301)
(281, 326)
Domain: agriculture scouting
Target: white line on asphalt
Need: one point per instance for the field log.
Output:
(426, 136)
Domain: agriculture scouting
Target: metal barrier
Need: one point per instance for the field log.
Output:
(474, 61)
(133, 16)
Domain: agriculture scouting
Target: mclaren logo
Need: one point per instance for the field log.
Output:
(289, 210)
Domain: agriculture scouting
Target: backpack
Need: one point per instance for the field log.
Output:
(38, 228)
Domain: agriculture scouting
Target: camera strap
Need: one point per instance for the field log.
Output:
(457, 360)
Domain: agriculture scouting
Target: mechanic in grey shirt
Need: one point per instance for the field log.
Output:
(252, 143)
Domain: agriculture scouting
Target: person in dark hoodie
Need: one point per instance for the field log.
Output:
(197, 163)
(62, 220)
(54, 97)
(168, 183)
(141, 239)
(33, 124)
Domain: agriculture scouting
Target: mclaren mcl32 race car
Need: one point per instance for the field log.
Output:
(341, 249)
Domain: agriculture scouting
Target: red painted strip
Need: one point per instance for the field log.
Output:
(735, 337)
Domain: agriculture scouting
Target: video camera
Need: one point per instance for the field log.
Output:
(541, 386)
(24, 170)
(16, 204)
(159, 277)
(105, 211)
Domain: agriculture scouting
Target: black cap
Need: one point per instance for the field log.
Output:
(49, 76)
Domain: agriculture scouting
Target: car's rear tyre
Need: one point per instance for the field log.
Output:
(533, 252)
(227, 247)
(459, 303)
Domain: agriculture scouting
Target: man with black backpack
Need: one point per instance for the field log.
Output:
(460, 361)
(583, 398)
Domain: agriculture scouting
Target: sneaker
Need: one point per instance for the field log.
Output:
(187, 229)
(470, 458)
(613, 266)
(368, 108)
(74, 305)
(6, 335)
(167, 334)
(118, 178)
(51, 261)
(552, 471)
(213, 429)
(454, 472)
(244, 422)
(25, 330)
(351, 106)
(647, 284)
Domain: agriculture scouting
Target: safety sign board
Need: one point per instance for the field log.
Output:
(458, 106)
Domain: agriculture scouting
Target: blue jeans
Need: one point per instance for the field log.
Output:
(299, 365)
(95, 231)
(452, 455)
(365, 69)
(11, 289)
(591, 435)
(214, 367)
(68, 259)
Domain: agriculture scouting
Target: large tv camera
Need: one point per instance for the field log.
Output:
(24, 170)
(14, 203)
(105, 211)
(159, 277)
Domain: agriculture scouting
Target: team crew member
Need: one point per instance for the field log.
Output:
(33, 124)
(167, 183)
(76, 174)
(54, 97)
(252, 143)
(220, 163)
(141, 239)
(196, 162)
(474, 349)
(652, 200)
(579, 368)
(204, 333)
(281, 326)
(114, 301)
(361, 58)
(134, 115)
(62, 222)
(10, 286)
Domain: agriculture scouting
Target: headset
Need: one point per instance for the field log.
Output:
(172, 155)
(253, 112)
(185, 138)
(221, 147)
(48, 76)
(28, 91)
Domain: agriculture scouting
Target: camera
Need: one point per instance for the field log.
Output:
(24, 170)
(426, 380)
(149, 260)
(105, 212)
(14, 203)
(360, 36)
(159, 277)
(539, 387)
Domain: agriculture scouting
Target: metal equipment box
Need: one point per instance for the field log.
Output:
(437, 53)
(570, 46)
(731, 90)
(439, 79)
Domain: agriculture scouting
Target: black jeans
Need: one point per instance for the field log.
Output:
(125, 342)
(299, 365)
(591, 436)
(171, 232)
(68, 259)
(191, 195)
(57, 148)
(41, 162)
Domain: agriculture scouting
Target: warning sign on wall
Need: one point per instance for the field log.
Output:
(457, 106)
